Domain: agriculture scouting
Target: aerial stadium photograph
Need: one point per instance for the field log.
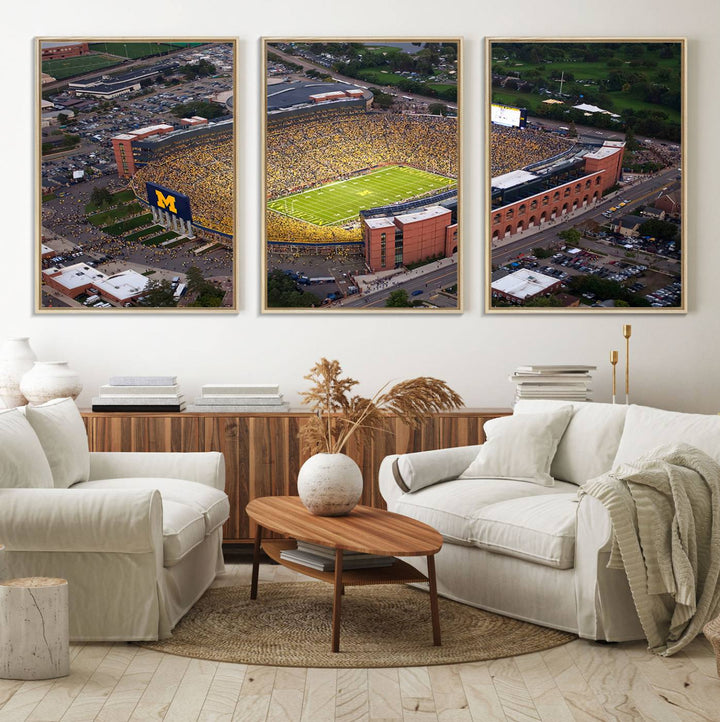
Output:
(137, 177)
(361, 175)
(585, 177)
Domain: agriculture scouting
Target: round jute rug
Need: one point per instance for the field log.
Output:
(289, 625)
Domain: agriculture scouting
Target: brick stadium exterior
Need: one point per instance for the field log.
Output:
(600, 170)
(397, 240)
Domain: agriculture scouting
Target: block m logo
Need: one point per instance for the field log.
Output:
(166, 201)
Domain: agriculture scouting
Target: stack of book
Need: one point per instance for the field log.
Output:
(140, 393)
(564, 382)
(322, 558)
(240, 398)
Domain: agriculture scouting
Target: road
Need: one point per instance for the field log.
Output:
(429, 284)
(308, 65)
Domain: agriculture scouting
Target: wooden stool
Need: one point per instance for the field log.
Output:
(34, 628)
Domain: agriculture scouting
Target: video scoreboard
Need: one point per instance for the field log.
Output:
(508, 116)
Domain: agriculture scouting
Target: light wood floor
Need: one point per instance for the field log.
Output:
(578, 681)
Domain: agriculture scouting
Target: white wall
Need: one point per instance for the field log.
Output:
(675, 358)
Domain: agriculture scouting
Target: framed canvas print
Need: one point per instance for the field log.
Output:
(136, 175)
(585, 175)
(361, 175)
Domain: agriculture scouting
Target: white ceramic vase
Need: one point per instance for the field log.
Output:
(330, 484)
(16, 358)
(49, 380)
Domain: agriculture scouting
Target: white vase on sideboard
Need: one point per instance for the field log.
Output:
(16, 359)
(49, 380)
(330, 484)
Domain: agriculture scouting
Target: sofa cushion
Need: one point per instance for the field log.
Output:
(183, 530)
(212, 504)
(417, 470)
(591, 439)
(453, 508)
(22, 460)
(61, 431)
(540, 529)
(520, 447)
(647, 428)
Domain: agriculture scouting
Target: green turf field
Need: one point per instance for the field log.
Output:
(68, 67)
(343, 200)
(136, 50)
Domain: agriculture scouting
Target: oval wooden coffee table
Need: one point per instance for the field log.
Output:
(364, 529)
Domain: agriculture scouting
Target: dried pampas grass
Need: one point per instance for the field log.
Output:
(339, 415)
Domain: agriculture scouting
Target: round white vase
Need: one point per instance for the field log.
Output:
(16, 358)
(49, 380)
(330, 484)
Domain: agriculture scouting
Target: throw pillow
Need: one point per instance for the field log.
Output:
(22, 460)
(61, 431)
(520, 447)
(590, 442)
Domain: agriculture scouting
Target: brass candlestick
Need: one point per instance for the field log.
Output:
(613, 361)
(627, 331)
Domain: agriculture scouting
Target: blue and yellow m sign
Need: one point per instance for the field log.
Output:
(165, 201)
(168, 200)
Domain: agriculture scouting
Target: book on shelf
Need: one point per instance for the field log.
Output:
(323, 564)
(169, 408)
(110, 390)
(329, 552)
(139, 400)
(526, 379)
(240, 389)
(240, 400)
(143, 380)
(237, 408)
(554, 369)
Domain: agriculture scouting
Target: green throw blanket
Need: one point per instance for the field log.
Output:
(665, 512)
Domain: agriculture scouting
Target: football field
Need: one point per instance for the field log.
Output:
(342, 201)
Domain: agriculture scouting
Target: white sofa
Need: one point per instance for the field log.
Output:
(539, 553)
(138, 536)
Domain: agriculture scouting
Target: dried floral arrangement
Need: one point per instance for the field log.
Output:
(339, 415)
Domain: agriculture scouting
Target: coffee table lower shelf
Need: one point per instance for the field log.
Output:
(399, 572)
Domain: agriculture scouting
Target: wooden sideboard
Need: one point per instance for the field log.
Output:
(262, 452)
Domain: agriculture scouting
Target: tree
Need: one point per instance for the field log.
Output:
(542, 252)
(398, 299)
(572, 131)
(571, 236)
(438, 109)
(208, 294)
(664, 230)
(282, 292)
(159, 294)
(381, 99)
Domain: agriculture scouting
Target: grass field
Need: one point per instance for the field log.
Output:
(68, 67)
(137, 50)
(343, 200)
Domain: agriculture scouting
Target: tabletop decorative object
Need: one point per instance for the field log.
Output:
(16, 357)
(49, 380)
(613, 361)
(329, 485)
(627, 331)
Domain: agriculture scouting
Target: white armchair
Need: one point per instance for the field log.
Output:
(138, 536)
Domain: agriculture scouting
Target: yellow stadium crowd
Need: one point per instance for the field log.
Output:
(307, 152)
(512, 148)
(323, 148)
(202, 171)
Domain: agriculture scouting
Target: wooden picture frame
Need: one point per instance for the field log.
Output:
(361, 175)
(136, 175)
(585, 176)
